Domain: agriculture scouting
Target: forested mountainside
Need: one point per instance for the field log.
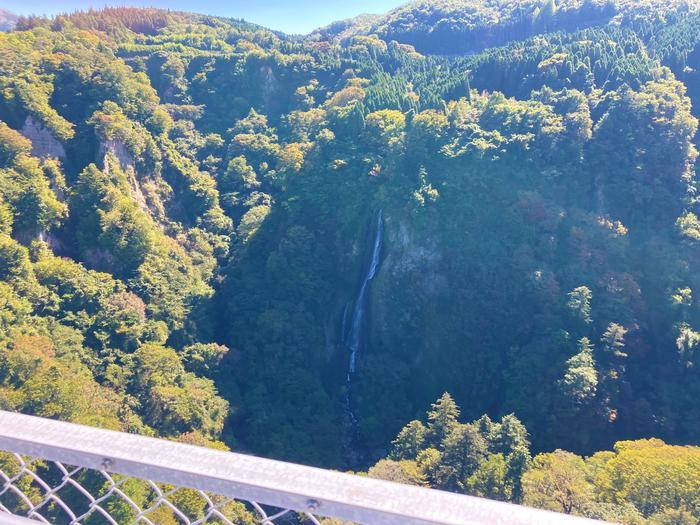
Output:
(469, 26)
(213, 232)
(7, 20)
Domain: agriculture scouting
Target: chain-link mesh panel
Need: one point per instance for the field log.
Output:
(51, 492)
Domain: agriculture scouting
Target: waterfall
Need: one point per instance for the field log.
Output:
(355, 336)
(352, 338)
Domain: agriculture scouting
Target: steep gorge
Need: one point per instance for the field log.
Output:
(354, 336)
(514, 230)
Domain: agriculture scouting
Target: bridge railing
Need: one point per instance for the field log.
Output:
(55, 472)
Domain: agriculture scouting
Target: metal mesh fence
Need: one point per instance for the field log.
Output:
(52, 492)
(62, 473)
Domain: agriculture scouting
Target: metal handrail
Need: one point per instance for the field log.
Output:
(247, 478)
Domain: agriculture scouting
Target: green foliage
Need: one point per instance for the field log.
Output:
(175, 185)
(12, 144)
(385, 129)
(640, 479)
(442, 418)
(689, 226)
(652, 475)
(614, 340)
(203, 359)
(403, 471)
(557, 481)
(251, 221)
(174, 400)
(661, 127)
(672, 517)
(580, 303)
(26, 187)
(409, 442)
(484, 458)
(115, 131)
(464, 26)
(463, 452)
(489, 480)
(580, 380)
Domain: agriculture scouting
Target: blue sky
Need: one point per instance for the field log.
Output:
(291, 16)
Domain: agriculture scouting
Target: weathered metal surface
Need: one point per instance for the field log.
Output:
(268, 482)
(9, 519)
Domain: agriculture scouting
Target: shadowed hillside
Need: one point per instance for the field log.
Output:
(223, 235)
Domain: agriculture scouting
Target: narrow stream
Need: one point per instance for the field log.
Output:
(354, 338)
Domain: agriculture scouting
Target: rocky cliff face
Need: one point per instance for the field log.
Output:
(120, 152)
(414, 256)
(412, 262)
(427, 311)
(148, 192)
(44, 144)
(405, 332)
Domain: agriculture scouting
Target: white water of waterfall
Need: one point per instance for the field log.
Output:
(358, 314)
(353, 337)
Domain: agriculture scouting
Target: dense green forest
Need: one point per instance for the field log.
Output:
(470, 26)
(292, 246)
